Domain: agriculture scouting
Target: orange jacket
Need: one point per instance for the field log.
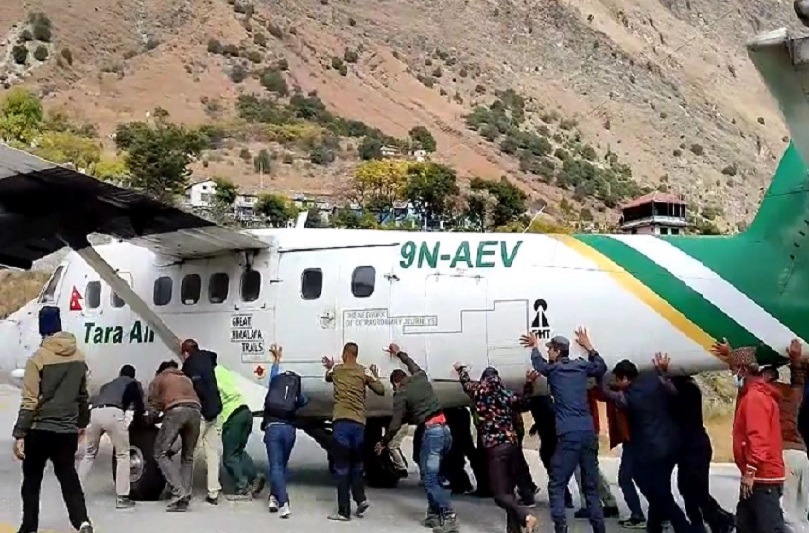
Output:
(757, 443)
(617, 422)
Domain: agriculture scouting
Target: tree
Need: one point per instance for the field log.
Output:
(370, 148)
(423, 138)
(479, 207)
(274, 81)
(20, 116)
(262, 162)
(276, 208)
(430, 187)
(314, 219)
(158, 157)
(347, 218)
(379, 183)
(113, 170)
(65, 147)
(226, 191)
(510, 200)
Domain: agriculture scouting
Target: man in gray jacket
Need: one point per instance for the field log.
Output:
(109, 416)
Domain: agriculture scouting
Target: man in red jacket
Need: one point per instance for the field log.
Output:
(757, 451)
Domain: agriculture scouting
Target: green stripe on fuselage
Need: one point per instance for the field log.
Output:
(679, 295)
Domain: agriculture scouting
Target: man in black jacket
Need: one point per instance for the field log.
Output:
(199, 366)
(414, 398)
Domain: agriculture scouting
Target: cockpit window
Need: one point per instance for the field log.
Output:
(49, 294)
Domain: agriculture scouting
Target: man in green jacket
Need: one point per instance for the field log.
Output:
(414, 398)
(236, 429)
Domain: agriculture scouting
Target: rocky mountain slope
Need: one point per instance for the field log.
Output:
(660, 90)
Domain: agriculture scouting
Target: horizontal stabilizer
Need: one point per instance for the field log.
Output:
(42, 203)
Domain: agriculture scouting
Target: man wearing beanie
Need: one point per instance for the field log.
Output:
(54, 411)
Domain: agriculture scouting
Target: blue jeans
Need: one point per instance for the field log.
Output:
(349, 441)
(626, 480)
(279, 439)
(436, 443)
(577, 448)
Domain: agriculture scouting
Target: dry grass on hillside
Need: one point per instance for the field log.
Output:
(17, 288)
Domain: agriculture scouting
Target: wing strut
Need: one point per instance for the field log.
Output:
(105, 271)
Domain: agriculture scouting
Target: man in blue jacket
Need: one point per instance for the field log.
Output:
(577, 446)
(647, 401)
(199, 365)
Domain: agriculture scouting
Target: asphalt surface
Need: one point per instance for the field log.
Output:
(312, 497)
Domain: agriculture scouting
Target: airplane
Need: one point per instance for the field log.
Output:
(444, 297)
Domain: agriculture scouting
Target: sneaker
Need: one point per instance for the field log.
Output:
(178, 506)
(242, 496)
(258, 485)
(213, 500)
(582, 513)
(337, 517)
(273, 504)
(611, 511)
(633, 522)
(447, 524)
(531, 524)
(284, 511)
(124, 502)
(86, 527)
(361, 508)
(431, 521)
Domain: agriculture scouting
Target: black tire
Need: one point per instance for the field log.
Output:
(147, 481)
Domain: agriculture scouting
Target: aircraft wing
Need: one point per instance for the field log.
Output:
(41, 201)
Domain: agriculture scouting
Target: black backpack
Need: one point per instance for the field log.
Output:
(282, 397)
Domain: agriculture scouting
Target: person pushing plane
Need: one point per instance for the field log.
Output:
(577, 446)
(413, 397)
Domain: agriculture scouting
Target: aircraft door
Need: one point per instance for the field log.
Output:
(409, 319)
(306, 315)
(253, 311)
(456, 305)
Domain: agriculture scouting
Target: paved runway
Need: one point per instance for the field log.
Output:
(311, 493)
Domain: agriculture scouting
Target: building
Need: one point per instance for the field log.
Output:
(244, 207)
(389, 152)
(200, 194)
(654, 214)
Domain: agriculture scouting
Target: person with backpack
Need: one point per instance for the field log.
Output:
(237, 426)
(284, 398)
(199, 366)
(350, 380)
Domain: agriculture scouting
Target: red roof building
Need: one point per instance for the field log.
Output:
(655, 213)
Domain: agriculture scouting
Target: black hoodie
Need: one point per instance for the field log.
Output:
(200, 368)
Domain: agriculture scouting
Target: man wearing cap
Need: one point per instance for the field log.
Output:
(577, 445)
(760, 484)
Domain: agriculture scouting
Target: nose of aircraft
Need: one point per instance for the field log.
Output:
(9, 350)
(19, 336)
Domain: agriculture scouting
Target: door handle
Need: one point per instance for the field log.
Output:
(327, 315)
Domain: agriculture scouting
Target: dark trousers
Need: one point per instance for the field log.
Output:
(626, 480)
(653, 476)
(481, 469)
(459, 421)
(547, 447)
(503, 464)
(693, 475)
(59, 449)
(761, 512)
(526, 488)
(349, 441)
(235, 433)
(574, 449)
(180, 421)
(279, 438)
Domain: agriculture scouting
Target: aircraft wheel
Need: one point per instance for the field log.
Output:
(146, 481)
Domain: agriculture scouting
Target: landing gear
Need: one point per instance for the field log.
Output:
(146, 481)
(380, 471)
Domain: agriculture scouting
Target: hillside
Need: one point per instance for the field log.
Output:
(659, 90)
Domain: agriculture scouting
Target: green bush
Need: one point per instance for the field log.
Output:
(230, 50)
(214, 46)
(337, 63)
(67, 55)
(41, 27)
(20, 54)
(260, 39)
(274, 81)
(245, 154)
(41, 53)
(254, 56)
(238, 74)
(282, 64)
(351, 56)
(321, 155)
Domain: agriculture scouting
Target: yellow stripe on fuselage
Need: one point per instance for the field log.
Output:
(641, 291)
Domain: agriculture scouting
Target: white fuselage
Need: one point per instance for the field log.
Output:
(444, 298)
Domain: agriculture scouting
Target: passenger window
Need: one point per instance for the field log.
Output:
(116, 300)
(311, 283)
(362, 281)
(49, 294)
(162, 290)
(92, 295)
(191, 289)
(250, 285)
(218, 288)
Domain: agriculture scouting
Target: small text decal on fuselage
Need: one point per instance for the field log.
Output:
(245, 334)
(484, 254)
(138, 333)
